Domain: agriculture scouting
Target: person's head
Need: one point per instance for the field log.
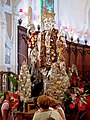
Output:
(43, 102)
(7, 95)
(53, 103)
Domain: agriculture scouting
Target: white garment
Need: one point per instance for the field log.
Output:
(58, 109)
(5, 106)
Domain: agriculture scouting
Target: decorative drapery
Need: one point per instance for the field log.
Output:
(74, 13)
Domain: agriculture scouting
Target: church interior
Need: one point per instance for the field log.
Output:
(45, 54)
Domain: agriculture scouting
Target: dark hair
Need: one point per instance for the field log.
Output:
(5, 93)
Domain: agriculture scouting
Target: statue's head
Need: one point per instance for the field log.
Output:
(48, 20)
(31, 29)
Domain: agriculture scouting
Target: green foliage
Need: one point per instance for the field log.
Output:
(1, 94)
(14, 81)
(66, 96)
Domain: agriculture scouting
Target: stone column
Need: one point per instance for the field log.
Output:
(0, 34)
(14, 41)
(2, 40)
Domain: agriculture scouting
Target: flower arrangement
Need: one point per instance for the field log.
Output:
(15, 101)
(76, 95)
(24, 83)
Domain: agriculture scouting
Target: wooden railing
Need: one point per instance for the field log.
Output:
(5, 83)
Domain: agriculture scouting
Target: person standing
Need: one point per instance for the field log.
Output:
(6, 107)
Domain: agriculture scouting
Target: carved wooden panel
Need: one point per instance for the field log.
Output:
(87, 59)
(72, 54)
(22, 46)
(79, 55)
(79, 61)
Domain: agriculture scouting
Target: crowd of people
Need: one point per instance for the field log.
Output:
(48, 108)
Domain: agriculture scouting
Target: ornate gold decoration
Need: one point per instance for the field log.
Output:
(48, 15)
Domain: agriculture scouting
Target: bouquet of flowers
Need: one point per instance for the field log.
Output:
(76, 93)
(15, 101)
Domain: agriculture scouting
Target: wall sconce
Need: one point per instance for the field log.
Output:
(65, 36)
(19, 21)
(78, 40)
(85, 42)
(71, 39)
(20, 16)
